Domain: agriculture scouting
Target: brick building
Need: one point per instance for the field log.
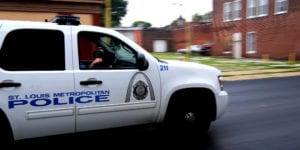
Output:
(257, 28)
(158, 40)
(133, 33)
(153, 39)
(191, 33)
(38, 10)
(170, 38)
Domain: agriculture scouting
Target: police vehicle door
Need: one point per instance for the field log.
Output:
(36, 74)
(114, 93)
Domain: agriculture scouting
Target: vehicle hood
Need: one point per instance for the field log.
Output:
(180, 74)
(190, 66)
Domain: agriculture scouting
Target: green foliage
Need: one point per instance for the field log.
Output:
(118, 10)
(179, 21)
(142, 24)
(197, 17)
(205, 17)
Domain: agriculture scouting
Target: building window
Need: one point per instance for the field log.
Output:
(227, 11)
(262, 7)
(43, 51)
(281, 6)
(257, 8)
(251, 42)
(232, 11)
(251, 8)
(237, 10)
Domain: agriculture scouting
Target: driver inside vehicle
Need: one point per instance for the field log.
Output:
(98, 56)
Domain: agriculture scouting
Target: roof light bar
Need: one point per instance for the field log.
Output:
(66, 20)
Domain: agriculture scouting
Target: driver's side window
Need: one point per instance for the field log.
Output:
(101, 51)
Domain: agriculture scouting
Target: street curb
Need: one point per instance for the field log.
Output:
(260, 76)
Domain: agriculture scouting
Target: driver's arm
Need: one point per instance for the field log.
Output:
(95, 61)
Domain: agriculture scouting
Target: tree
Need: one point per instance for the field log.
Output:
(118, 10)
(205, 17)
(142, 24)
(197, 17)
(179, 21)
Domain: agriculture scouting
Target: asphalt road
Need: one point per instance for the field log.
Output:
(263, 114)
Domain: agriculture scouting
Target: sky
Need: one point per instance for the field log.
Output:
(162, 12)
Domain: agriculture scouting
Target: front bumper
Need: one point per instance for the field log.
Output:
(221, 103)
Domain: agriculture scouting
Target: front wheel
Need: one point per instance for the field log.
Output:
(188, 118)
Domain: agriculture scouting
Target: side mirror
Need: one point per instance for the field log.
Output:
(142, 63)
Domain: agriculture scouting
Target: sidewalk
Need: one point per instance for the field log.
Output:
(259, 74)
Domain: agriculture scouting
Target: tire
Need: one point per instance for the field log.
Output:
(6, 137)
(188, 118)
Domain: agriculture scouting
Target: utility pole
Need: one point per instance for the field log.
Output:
(188, 33)
(108, 13)
(187, 27)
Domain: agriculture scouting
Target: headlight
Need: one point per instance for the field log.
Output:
(220, 78)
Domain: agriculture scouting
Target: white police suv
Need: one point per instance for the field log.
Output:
(47, 86)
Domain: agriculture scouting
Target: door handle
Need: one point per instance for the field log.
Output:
(90, 82)
(9, 84)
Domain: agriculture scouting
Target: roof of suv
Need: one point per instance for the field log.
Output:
(57, 20)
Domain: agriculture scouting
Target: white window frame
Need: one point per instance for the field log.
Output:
(237, 10)
(257, 8)
(263, 8)
(276, 9)
(227, 12)
(251, 45)
(251, 8)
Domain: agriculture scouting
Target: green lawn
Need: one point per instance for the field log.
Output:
(229, 64)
